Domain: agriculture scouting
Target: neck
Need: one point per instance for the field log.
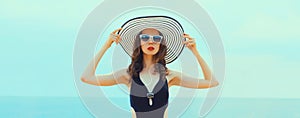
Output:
(148, 63)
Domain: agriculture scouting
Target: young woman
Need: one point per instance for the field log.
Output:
(147, 77)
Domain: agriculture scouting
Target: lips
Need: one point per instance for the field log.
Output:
(150, 48)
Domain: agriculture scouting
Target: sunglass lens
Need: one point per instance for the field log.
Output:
(145, 37)
(157, 38)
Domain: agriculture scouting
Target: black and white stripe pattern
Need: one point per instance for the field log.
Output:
(170, 28)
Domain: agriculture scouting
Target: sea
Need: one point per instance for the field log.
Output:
(74, 107)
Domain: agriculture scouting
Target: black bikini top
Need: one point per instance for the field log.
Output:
(142, 100)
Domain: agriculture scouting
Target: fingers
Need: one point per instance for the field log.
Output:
(187, 36)
(115, 37)
(118, 39)
(189, 43)
(189, 40)
(115, 31)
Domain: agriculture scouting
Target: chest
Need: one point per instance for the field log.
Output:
(149, 80)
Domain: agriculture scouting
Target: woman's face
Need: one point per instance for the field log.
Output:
(151, 46)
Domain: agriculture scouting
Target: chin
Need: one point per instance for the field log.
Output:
(150, 52)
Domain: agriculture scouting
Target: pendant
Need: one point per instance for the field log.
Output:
(150, 95)
(150, 102)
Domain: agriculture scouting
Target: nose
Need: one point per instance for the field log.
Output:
(151, 40)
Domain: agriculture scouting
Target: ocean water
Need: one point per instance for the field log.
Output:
(72, 107)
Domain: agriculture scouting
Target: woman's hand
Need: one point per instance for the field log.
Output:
(113, 37)
(190, 42)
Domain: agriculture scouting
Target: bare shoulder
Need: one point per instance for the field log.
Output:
(123, 76)
(172, 74)
(171, 77)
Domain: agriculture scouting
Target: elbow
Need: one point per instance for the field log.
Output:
(213, 84)
(89, 80)
(83, 79)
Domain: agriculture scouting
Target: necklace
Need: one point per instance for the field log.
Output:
(150, 95)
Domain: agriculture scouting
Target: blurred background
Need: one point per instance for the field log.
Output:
(261, 41)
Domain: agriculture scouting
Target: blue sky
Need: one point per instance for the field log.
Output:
(261, 40)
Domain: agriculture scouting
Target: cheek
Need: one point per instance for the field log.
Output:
(157, 48)
(142, 43)
(144, 47)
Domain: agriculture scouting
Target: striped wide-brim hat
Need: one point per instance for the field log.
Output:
(170, 28)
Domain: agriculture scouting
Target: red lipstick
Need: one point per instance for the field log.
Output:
(150, 48)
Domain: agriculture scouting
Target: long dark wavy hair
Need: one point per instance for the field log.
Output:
(137, 63)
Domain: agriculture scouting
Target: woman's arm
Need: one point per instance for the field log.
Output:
(191, 82)
(89, 76)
